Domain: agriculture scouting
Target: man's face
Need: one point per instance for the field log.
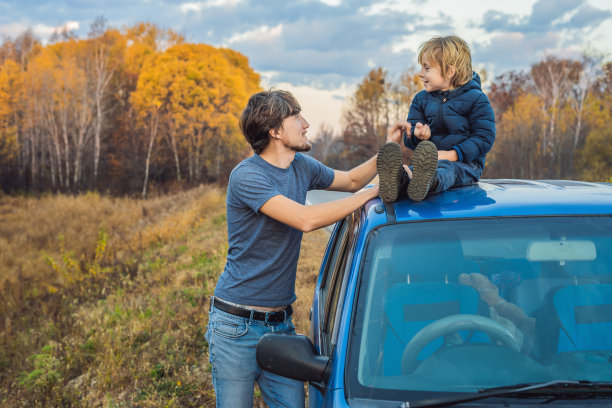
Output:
(432, 77)
(293, 133)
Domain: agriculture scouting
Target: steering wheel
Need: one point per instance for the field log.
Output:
(452, 325)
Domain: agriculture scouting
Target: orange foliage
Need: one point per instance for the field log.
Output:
(80, 108)
(10, 84)
(196, 92)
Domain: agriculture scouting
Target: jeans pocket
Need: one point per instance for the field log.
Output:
(230, 329)
(290, 325)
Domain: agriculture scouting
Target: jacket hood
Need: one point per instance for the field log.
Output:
(473, 83)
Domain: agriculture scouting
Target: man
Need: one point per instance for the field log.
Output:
(266, 218)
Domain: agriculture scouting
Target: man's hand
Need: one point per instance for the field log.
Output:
(421, 131)
(395, 132)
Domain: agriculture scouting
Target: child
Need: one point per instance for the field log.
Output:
(452, 127)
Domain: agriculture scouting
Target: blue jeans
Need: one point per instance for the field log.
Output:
(231, 345)
(456, 174)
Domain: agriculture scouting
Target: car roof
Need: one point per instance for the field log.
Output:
(501, 197)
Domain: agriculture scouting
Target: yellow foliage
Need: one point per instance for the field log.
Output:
(198, 91)
(11, 86)
(595, 158)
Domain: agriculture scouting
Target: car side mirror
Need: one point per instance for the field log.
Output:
(293, 356)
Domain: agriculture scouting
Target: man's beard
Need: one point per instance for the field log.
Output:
(304, 147)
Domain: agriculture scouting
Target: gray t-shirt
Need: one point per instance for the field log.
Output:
(263, 253)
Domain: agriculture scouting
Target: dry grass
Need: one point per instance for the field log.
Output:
(103, 301)
(312, 251)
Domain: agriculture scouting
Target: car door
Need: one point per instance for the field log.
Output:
(333, 285)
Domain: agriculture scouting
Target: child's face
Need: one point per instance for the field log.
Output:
(432, 77)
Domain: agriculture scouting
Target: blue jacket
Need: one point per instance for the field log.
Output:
(461, 119)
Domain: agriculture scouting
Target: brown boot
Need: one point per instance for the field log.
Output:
(424, 165)
(393, 177)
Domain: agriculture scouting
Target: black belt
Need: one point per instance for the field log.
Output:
(269, 317)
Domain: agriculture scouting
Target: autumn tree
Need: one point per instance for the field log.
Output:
(104, 58)
(365, 117)
(129, 143)
(595, 157)
(194, 93)
(547, 117)
(517, 152)
(403, 91)
(553, 80)
(10, 94)
(505, 90)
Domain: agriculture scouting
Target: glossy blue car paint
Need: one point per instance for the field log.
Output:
(487, 199)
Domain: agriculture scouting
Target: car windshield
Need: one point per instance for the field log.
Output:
(465, 305)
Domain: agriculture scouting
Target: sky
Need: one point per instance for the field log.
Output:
(321, 49)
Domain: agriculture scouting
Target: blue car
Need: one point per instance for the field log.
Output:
(497, 294)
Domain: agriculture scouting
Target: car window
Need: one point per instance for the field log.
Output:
(339, 240)
(462, 305)
(332, 284)
(337, 298)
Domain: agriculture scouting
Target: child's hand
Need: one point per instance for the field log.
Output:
(395, 132)
(422, 131)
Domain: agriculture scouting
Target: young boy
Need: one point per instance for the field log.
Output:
(452, 127)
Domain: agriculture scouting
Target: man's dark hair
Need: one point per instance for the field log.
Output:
(264, 112)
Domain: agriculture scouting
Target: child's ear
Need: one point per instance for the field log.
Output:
(451, 71)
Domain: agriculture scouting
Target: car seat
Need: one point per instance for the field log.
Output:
(585, 316)
(428, 258)
(409, 307)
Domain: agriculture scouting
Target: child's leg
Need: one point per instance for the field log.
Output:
(424, 164)
(455, 174)
(393, 178)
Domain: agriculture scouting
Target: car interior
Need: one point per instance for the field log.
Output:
(543, 294)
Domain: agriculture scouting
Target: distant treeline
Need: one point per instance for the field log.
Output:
(118, 110)
(553, 121)
(123, 109)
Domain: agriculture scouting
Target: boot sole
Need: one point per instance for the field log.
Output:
(424, 165)
(389, 168)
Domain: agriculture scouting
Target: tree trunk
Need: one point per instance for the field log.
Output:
(152, 136)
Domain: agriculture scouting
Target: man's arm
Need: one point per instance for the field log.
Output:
(354, 179)
(358, 177)
(311, 217)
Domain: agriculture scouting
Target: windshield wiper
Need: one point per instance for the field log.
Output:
(552, 388)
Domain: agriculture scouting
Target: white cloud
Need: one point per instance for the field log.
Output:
(70, 25)
(263, 34)
(187, 7)
(12, 30)
(41, 31)
(198, 6)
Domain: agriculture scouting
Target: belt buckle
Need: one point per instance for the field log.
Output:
(272, 315)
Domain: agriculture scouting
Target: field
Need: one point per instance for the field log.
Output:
(103, 300)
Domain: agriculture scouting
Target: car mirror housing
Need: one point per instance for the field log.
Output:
(561, 251)
(293, 356)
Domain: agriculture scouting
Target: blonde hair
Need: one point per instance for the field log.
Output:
(446, 52)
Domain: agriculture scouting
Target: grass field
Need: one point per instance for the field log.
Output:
(103, 301)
